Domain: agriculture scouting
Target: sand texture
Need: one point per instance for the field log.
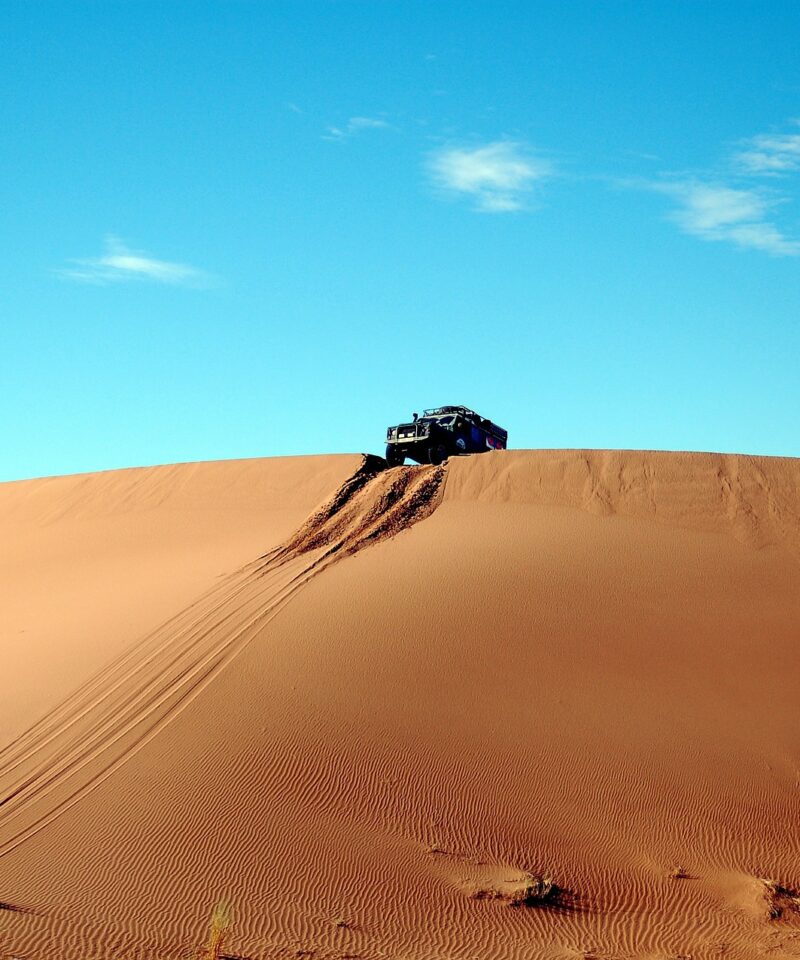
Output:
(531, 704)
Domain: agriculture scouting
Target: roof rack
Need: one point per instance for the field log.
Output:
(472, 416)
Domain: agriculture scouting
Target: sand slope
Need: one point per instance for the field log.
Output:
(575, 663)
(92, 562)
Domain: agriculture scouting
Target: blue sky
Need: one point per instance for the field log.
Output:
(258, 229)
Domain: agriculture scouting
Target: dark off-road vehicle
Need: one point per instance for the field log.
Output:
(440, 433)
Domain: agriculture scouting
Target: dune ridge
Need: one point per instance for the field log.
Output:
(582, 664)
(757, 498)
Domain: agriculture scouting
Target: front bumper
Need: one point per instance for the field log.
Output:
(414, 448)
(409, 433)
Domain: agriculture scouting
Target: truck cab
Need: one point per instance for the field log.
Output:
(440, 433)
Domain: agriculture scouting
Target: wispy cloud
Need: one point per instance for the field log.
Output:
(353, 126)
(769, 154)
(118, 263)
(715, 211)
(497, 176)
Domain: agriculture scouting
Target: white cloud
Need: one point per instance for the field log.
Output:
(354, 125)
(715, 211)
(770, 154)
(496, 176)
(118, 263)
(365, 123)
(738, 211)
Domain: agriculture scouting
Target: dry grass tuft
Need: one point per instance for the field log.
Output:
(219, 925)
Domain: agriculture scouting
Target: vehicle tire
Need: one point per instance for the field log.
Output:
(437, 454)
(393, 456)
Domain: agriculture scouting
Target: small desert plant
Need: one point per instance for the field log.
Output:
(530, 890)
(219, 925)
(679, 873)
(780, 899)
(534, 889)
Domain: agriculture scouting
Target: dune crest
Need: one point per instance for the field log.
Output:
(756, 498)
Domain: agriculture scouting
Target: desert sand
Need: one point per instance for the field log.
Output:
(371, 709)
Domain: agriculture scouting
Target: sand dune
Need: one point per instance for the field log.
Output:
(366, 707)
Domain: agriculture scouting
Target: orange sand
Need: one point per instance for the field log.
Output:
(362, 707)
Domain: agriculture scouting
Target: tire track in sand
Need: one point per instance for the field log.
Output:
(83, 740)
